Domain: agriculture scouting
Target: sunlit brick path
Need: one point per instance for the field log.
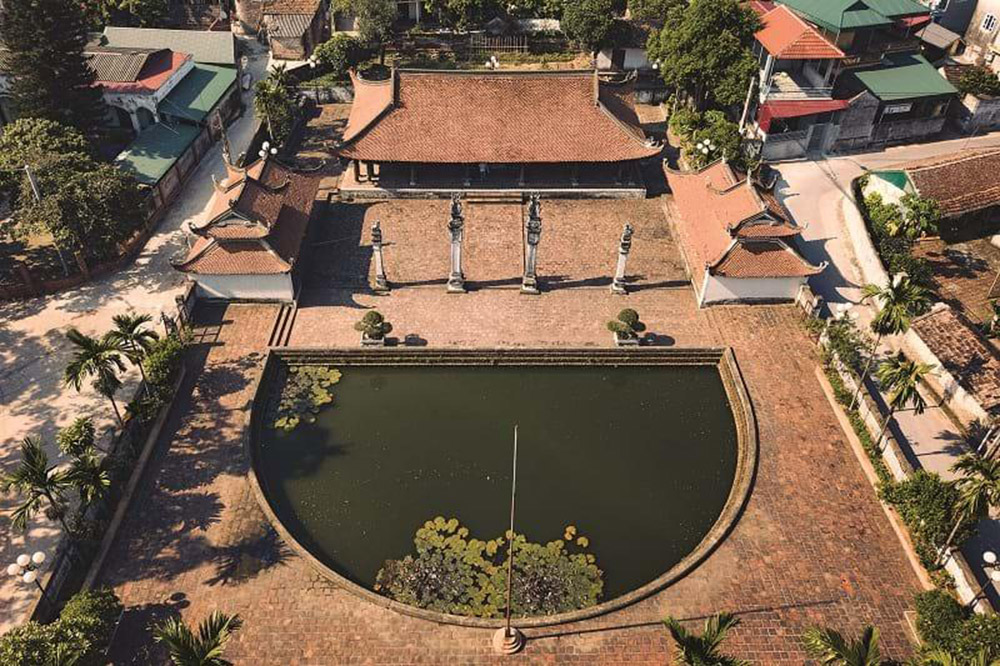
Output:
(812, 547)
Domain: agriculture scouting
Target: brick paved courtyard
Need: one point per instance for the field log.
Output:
(813, 546)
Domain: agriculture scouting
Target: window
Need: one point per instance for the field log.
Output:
(989, 23)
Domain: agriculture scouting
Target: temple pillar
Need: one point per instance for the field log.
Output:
(467, 178)
(413, 175)
(456, 227)
(370, 171)
(574, 174)
(532, 234)
(381, 282)
(618, 285)
(357, 171)
(520, 176)
(136, 125)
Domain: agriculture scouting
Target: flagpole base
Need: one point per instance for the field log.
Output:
(504, 643)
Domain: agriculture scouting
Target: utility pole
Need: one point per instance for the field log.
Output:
(38, 198)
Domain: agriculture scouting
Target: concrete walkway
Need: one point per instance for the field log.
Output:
(34, 351)
(815, 193)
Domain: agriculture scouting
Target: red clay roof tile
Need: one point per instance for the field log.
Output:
(787, 36)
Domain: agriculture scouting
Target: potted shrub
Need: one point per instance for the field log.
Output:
(373, 328)
(626, 328)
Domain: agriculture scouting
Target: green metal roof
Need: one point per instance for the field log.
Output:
(895, 8)
(198, 92)
(904, 76)
(897, 179)
(839, 15)
(155, 150)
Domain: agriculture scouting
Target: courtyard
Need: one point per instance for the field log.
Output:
(812, 546)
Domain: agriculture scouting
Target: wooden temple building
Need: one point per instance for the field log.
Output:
(422, 131)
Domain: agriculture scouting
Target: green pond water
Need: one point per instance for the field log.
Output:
(640, 459)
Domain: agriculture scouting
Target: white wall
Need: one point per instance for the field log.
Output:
(635, 58)
(249, 287)
(722, 289)
(890, 193)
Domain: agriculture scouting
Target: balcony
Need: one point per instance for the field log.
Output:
(794, 86)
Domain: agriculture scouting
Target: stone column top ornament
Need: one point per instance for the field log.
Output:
(377, 232)
(626, 241)
(533, 226)
(535, 207)
(456, 207)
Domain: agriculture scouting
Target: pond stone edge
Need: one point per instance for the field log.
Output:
(748, 449)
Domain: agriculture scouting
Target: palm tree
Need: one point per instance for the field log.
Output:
(131, 334)
(703, 650)
(202, 649)
(100, 358)
(89, 475)
(901, 377)
(78, 438)
(944, 658)
(830, 648)
(38, 483)
(899, 301)
(978, 492)
(273, 101)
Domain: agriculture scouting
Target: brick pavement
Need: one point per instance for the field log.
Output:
(813, 546)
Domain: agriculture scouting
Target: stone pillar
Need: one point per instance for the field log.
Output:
(456, 279)
(520, 176)
(574, 174)
(136, 125)
(413, 175)
(467, 178)
(532, 234)
(618, 285)
(381, 283)
(357, 171)
(370, 171)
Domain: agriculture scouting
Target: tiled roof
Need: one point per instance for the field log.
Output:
(963, 353)
(786, 36)
(308, 7)
(288, 25)
(256, 224)
(215, 48)
(725, 224)
(493, 117)
(960, 183)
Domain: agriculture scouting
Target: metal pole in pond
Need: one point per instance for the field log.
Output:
(508, 639)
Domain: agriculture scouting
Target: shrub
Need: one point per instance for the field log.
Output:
(927, 505)
(84, 628)
(979, 632)
(339, 54)
(980, 81)
(684, 121)
(849, 343)
(939, 617)
(373, 325)
(627, 325)
(894, 230)
(162, 364)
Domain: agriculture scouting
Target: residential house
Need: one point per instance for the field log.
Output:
(252, 242)
(295, 27)
(938, 43)
(972, 113)
(209, 48)
(435, 129)
(966, 187)
(982, 37)
(954, 15)
(737, 238)
(851, 66)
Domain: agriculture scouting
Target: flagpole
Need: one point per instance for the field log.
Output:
(509, 640)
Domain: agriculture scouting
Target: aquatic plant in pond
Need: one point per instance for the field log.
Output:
(455, 573)
(304, 390)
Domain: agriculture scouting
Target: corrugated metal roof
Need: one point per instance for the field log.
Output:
(155, 150)
(937, 35)
(118, 65)
(288, 25)
(214, 48)
(199, 91)
(837, 15)
(905, 76)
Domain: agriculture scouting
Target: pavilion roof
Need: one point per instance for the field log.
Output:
(494, 117)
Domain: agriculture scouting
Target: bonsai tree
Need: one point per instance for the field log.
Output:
(627, 326)
(373, 325)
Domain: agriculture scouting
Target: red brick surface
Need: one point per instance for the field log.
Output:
(813, 546)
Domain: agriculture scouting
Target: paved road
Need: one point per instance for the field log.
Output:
(33, 349)
(814, 193)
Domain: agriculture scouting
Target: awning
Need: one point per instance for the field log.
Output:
(913, 21)
(796, 109)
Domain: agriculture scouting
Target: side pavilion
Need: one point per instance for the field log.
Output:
(422, 131)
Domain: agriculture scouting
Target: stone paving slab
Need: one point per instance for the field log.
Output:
(813, 546)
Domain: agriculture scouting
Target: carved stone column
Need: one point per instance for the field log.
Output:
(618, 285)
(456, 227)
(532, 234)
(381, 283)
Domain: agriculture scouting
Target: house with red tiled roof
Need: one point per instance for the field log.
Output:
(251, 242)
(533, 130)
(737, 239)
(295, 27)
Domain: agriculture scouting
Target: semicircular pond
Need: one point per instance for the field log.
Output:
(401, 483)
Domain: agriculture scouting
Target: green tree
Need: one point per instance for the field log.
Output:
(721, 133)
(589, 22)
(830, 648)
(51, 78)
(339, 54)
(136, 341)
(703, 51)
(979, 80)
(901, 377)
(204, 648)
(463, 14)
(375, 23)
(89, 475)
(26, 140)
(536, 8)
(38, 484)
(274, 102)
(704, 650)
(78, 438)
(941, 657)
(978, 491)
(920, 215)
(145, 13)
(898, 301)
(97, 358)
(652, 11)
